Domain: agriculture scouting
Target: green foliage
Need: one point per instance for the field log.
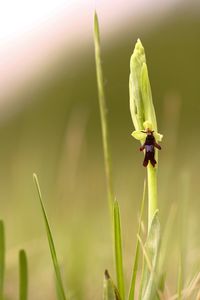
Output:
(118, 250)
(151, 254)
(136, 258)
(107, 161)
(143, 115)
(23, 276)
(103, 113)
(59, 283)
(110, 292)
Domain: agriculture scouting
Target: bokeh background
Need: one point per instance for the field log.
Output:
(49, 124)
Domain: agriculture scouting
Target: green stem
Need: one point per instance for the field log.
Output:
(107, 162)
(152, 193)
(103, 114)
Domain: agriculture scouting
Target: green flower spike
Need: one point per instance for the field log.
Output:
(143, 117)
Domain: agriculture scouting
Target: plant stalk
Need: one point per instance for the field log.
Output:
(113, 205)
(152, 193)
(103, 114)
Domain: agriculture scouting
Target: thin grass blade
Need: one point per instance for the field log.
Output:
(23, 276)
(137, 250)
(118, 251)
(2, 258)
(103, 113)
(59, 282)
(110, 292)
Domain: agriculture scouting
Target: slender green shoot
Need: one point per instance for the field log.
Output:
(103, 113)
(107, 161)
(118, 251)
(59, 282)
(23, 276)
(110, 292)
(2, 258)
(137, 251)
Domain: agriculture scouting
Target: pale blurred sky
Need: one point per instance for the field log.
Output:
(32, 32)
(18, 17)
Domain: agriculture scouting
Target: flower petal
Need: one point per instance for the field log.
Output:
(138, 135)
(158, 136)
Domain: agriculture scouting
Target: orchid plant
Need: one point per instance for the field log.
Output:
(144, 117)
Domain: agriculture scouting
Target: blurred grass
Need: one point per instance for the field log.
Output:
(23, 275)
(57, 135)
(118, 250)
(132, 288)
(59, 283)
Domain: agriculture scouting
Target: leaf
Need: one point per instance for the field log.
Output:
(23, 276)
(103, 115)
(118, 250)
(59, 283)
(110, 291)
(150, 252)
(2, 257)
(136, 258)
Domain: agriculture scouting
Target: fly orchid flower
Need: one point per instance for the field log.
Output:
(149, 144)
(140, 135)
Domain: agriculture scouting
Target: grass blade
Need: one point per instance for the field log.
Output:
(151, 254)
(23, 276)
(103, 113)
(153, 276)
(59, 283)
(137, 250)
(2, 258)
(110, 291)
(118, 251)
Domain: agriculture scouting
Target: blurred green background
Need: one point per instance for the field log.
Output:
(56, 133)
